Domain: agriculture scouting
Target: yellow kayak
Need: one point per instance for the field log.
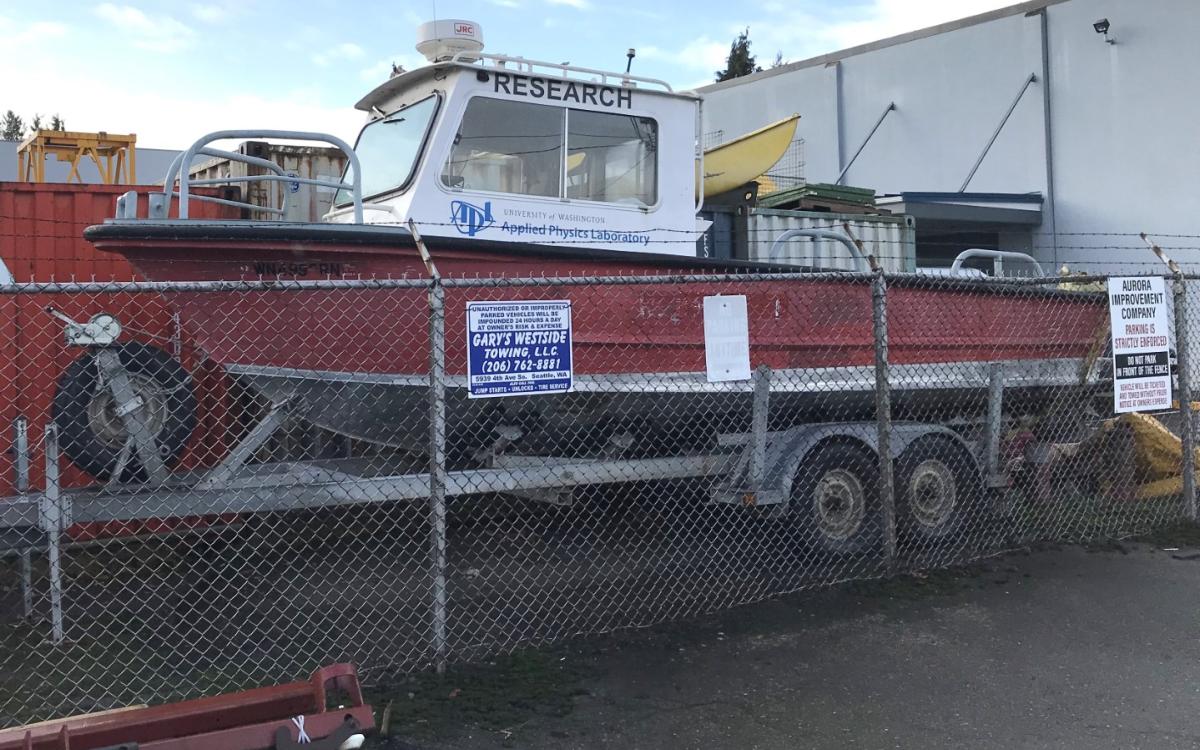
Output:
(736, 162)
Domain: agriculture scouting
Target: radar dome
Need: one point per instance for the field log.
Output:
(442, 40)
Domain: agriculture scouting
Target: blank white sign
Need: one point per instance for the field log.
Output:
(726, 338)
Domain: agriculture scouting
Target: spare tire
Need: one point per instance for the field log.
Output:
(91, 433)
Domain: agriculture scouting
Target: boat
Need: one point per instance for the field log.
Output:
(729, 165)
(484, 165)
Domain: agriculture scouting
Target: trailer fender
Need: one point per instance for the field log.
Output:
(786, 450)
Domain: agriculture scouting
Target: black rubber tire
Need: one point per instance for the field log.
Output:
(840, 463)
(76, 389)
(940, 459)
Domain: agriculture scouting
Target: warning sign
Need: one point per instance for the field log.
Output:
(518, 348)
(726, 338)
(1141, 344)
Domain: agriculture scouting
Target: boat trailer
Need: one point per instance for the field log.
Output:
(754, 469)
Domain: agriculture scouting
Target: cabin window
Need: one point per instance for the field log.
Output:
(517, 147)
(612, 158)
(388, 149)
(507, 147)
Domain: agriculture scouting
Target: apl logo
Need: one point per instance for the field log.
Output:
(470, 219)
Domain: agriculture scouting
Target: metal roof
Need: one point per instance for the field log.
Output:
(995, 209)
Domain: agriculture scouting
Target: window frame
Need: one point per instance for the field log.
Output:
(566, 128)
(567, 155)
(421, 152)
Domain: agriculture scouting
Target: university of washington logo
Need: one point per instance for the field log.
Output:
(470, 219)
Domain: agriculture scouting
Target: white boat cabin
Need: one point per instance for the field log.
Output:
(511, 150)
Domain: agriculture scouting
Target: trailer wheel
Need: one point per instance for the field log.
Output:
(834, 497)
(91, 432)
(937, 488)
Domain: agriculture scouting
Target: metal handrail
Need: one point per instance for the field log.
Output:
(624, 79)
(178, 168)
(820, 234)
(173, 170)
(995, 255)
(176, 164)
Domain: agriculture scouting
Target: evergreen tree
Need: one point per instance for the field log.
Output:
(56, 123)
(35, 125)
(12, 127)
(778, 59)
(740, 62)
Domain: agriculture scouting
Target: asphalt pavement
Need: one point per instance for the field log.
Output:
(1057, 648)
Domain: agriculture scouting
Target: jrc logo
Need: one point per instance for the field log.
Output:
(466, 29)
(470, 219)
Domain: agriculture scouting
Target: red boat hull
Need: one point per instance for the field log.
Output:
(798, 324)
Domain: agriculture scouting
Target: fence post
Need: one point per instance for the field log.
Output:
(883, 419)
(759, 422)
(50, 515)
(1185, 397)
(437, 466)
(27, 582)
(995, 421)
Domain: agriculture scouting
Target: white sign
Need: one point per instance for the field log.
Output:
(1140, 343)
(726, 338)
(520, 347)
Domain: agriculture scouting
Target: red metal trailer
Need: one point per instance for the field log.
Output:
(279, 716)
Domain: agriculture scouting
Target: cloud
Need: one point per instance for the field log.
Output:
(91, 99)
(37, 32)
(343, 51)
(379, 71)
(799, 33)
(576, 4)
(702, 53)
(150, 33)
(209, 13)
(506, 3)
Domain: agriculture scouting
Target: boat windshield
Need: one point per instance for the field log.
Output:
(388, 149)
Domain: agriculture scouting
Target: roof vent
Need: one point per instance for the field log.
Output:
(442, 40)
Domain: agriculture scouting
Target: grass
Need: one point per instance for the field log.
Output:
(498, 697)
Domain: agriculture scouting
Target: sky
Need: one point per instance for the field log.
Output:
(173, 71)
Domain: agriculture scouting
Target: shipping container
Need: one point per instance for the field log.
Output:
(41, 229)
(748, 233)
(41, 240)
(299, 202)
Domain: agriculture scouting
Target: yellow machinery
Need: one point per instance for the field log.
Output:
(115, 156)
(1158, 455)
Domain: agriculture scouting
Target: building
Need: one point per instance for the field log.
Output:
(1061, 128)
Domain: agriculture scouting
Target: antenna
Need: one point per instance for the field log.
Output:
(632, 53)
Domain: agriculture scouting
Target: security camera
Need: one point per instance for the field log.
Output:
(1101, 26)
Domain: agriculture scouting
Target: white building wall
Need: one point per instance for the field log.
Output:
(1126, 126)
(1123, 119)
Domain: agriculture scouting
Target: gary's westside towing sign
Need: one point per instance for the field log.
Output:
(1140, 343)
(519, 347)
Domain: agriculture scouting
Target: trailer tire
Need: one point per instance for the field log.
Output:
(938, 489)
(835, 498)
(90, 432)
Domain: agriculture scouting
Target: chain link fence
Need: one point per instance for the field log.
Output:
(228, 484)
